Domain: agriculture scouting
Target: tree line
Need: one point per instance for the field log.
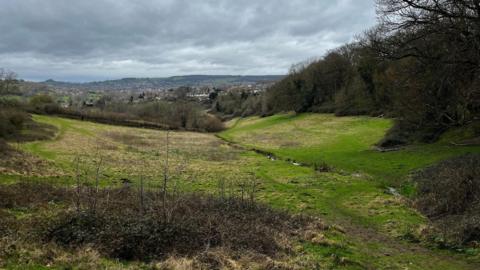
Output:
(17, 101)
(419, 64)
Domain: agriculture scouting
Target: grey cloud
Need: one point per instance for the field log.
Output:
(93, 39)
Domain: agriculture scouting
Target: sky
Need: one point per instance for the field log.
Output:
(92, 40)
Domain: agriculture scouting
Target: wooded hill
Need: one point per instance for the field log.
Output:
(420, 64)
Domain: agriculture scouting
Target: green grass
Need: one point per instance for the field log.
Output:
(338, 198)
(374, 222)
(354, 193)
(345, 143)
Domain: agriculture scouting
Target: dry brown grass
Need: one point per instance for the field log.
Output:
(131, 152)
(201, 232)
(128, 139)
(15, 162)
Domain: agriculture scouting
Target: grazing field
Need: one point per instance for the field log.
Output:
(368, 227)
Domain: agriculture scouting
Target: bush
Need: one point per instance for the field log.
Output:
(197, 231)
(449, 194)
(195, 223)
(43, 103)
(41, 99)
(212, 123)
(11, 122)
(31, 195)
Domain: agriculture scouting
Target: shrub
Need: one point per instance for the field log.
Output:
(31, 194)
(123, 229)
(449, 194)
(11, 122)
(212, 123)
(41, 99)
(198, 231)
(43, 103)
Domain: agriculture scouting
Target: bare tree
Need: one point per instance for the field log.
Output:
(443, 36)
(8, 82)
(411, 24)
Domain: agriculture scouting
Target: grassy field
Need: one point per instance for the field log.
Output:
(130, 153)
(345, 143)
(373, 226)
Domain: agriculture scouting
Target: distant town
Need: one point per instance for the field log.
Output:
(200, 88)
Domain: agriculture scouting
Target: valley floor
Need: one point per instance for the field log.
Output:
(375, 228)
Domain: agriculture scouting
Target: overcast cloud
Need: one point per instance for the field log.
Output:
(108, 39)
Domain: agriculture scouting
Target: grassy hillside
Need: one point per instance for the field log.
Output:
(370, 228)
(346, 143)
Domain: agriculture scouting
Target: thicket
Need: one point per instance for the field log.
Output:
(235, 104)
(421, 65)
(178, 115)
(135, 232)
(12, 118)
(11, 121)
(449, 194)
(130, 224)
(16, 123)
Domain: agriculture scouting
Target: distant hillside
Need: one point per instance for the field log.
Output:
(170, 82)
